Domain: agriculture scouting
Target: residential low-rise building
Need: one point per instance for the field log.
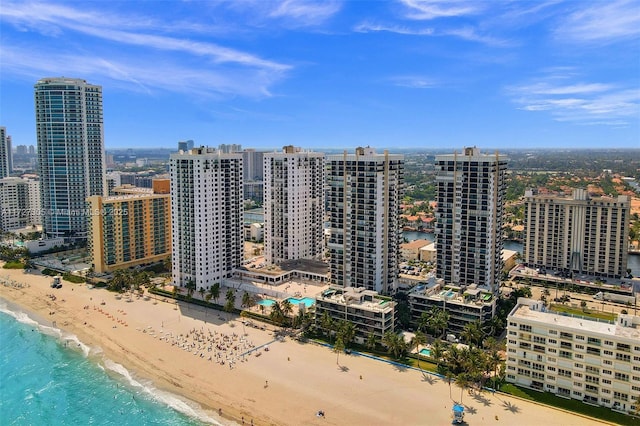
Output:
(411, 250)
(464, 306)
(366, 309)
(594, 361)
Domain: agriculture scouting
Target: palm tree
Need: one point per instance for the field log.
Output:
(276, 315)
(450, 377)
(494, 361)
(247, 300)
(231, 301)
(346, 331)
(287, 308)
(215, 291)
(437, 351)
(326, 322)
(418, 340)
(395, 344)
(338, 347)
(472, 332)
(372, 341)
(462, 380)
(207, 297)
(438, 320)
(191, 286)
(424, 323)
(201, 290)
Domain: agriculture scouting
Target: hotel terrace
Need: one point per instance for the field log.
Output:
(463, 305)
(368, 311)
(597, 362)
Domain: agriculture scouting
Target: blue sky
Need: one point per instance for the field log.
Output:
(335, 74)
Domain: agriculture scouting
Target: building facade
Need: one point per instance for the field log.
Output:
(19, 203)
(365, 192)
(5, 153)
(575, 357)
(71, 162)
(293, 205)
(129, 230)
(470, 195)
(577, 234)
(206, 216)
(368, 311)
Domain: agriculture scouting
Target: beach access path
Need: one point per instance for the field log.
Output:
(286, 385)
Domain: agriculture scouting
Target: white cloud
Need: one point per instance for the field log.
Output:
(306, 12)
(414, 82)
(580, 103)
(366, 27)
(432, 9)
(138, 57)
(603, 22)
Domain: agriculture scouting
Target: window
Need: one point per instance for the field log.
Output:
(622, 376)
(620, 396)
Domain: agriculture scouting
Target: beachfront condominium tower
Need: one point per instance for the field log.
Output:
(130, 228)
(577, 234)
(293, 204)
(71, 162)
(5, 153)
(206, 216)
(365, 192)
(470, 195)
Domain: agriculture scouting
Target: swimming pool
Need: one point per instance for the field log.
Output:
(425, 352)
(308, 301)
(267, 302)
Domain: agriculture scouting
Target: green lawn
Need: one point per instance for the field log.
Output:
(574, 405)
(589, 313)
(14, 265)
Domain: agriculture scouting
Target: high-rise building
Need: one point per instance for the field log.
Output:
(185, 145)
(365, 192)
(470, 195)
(206, 216)
(594, 361)
(293, 205)
(71, 163)
(577, 234)
(228, 148)
(5, 153)
(129, 229)
(19, 203)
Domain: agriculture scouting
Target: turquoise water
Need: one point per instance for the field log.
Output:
(267, 302)
(425, 352)
(308, 301)
(49, 378)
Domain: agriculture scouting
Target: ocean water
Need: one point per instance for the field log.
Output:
(49, 378)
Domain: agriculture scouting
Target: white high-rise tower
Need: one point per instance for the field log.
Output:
(293, 204)
(206, 216)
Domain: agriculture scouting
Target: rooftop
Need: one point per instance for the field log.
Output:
(357, 296)
(531, 310)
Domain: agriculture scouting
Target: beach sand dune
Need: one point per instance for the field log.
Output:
(286, 385)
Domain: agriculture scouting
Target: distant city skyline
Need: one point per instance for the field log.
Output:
(397, 74)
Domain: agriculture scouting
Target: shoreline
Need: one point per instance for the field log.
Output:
(114, 370)
(286, 385)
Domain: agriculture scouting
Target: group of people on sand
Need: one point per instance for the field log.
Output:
(7, 282)
(215, 346)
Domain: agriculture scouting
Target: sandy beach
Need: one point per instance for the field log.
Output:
(216, 361)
